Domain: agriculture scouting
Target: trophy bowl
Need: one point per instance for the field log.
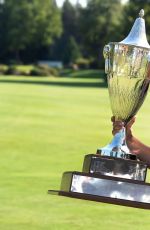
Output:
(128, 75)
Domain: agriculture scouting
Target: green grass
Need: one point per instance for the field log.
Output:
(47, 125)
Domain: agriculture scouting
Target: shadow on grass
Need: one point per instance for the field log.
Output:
(57, 83)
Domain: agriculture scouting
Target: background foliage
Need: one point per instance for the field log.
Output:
(34, 30)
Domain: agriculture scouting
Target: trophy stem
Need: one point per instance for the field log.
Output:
(118, 147)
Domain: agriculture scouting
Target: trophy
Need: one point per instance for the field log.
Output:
(114, 175)
(127, 68)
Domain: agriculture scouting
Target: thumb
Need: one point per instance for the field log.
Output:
(113, 118)
(129, 125)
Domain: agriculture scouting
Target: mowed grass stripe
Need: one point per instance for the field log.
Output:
(44, 131)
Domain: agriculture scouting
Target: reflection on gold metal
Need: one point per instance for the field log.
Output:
(127, 64)
(128, 79)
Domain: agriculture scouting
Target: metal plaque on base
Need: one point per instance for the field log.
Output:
(117, 167)
(105, 189)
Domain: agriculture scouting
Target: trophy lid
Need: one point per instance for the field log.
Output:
(137, 35)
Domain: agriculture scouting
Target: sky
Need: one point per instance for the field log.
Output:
(82, 2)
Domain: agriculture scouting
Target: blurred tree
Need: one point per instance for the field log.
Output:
(71, 52)
(28, 23)
(16, 25)
(100, 24)
(47, 22)
(68, 44)
(69, 17)
(48, 27)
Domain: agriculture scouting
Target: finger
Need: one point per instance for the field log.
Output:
(114, 131)
(117, 128)
(130, 123)
(113, 118)
(118, 123)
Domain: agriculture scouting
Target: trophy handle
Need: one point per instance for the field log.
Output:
(106, 53)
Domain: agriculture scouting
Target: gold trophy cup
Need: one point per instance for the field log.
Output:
(128, 73)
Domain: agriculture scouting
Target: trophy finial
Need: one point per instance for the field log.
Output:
(141, 13)
(137, 35)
